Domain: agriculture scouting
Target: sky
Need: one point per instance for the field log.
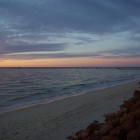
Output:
(69, 33)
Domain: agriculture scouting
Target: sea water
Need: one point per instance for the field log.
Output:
(21, 87)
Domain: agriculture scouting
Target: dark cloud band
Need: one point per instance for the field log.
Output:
(31, 48)
(34, 18)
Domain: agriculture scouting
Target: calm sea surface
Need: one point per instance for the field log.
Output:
(26, 86)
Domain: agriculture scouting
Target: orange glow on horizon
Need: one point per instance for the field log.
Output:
(70, 62)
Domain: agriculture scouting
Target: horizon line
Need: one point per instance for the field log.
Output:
(77, 67)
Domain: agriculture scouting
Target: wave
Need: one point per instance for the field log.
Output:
(79, 86)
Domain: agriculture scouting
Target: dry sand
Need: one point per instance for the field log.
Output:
(59, 119)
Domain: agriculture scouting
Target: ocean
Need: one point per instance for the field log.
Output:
(20, 87)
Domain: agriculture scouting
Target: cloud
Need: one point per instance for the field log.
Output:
(34, 20)
(31, 48)
(47, 55)
(111, 54)
(80, 15)
(130, 49)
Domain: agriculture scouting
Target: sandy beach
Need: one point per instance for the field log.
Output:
(59, 119)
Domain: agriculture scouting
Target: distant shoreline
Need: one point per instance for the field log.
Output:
(109, 67)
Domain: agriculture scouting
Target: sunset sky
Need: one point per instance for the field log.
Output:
(53, 33)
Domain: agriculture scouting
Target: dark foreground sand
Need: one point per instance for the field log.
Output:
(59, 119)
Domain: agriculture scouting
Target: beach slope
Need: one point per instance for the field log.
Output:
(61, 118)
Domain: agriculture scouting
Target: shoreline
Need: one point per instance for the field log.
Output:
(61, 118)
(63, 97)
